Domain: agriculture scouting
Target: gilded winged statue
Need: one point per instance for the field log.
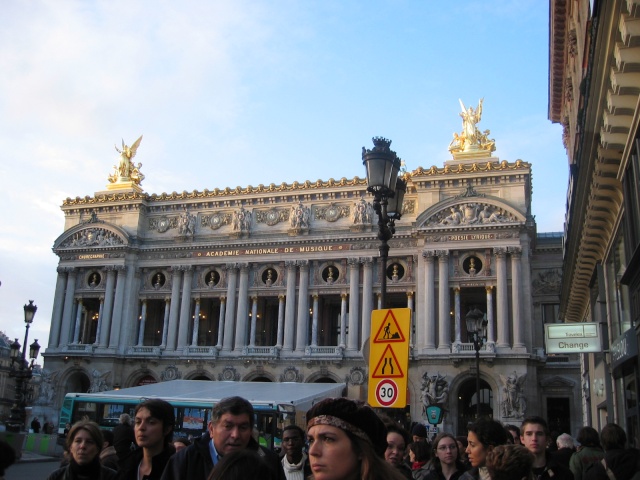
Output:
(125, 170)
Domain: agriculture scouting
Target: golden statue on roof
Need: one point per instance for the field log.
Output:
(471, 139)
(126, 171)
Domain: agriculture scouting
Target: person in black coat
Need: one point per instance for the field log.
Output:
(620, 462)
(154, 423)
(84, 443)
(229, 430)
(124, 440)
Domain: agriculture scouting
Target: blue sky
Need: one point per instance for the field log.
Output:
(240, 92)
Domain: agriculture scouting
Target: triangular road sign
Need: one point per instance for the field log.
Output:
(389, 331)
(388, 366)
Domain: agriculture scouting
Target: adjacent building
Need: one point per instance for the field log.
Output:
(594, 89)
(277, 283)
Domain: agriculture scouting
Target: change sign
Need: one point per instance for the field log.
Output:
(572, 338)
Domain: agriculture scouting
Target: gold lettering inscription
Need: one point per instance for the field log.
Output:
(475, 236)
(93, 255)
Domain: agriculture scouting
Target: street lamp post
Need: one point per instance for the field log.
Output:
(474, 321)
(383, 165)
(22, 372)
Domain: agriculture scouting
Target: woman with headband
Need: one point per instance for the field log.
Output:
(347, 441)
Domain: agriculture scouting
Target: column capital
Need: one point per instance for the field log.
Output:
(428, 254)
(366, 261)
(230, 266)
(500, 252)
(410, 294)
(315, 296)
(488, 288)
(223, 298)
(281, 296)
(303, 264)
(351, 261)
(515, 251)
(343, 296)
(443, 255)
(456, 289)
(197, 299)
(244, 267)
(290, 264)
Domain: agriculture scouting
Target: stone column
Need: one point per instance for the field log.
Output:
(491, 335)
(76, 328)
(367, 298)
(58, 304)
(99, 326)
(254, 318)
(67, 314)
(314, 324)
(176, 282)
(232, 271)
(165, 322)
(196, 324)
(444, 340)
(302, 338)
(129, 315)
(456, 292)
(109, 291)
(354, 307)
(143, 322)
(430, 301)
(412, 339)
(516, 291)
(502, 297)
(290, 307)
(281, 298)
(223, 301)
(242, 317)
(185, 307)
(118, 303)
(527, 304)
(343, 319)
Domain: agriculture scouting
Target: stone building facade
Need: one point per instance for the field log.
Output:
(277, 283)
(594, 89)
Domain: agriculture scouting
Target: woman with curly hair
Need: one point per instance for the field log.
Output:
(510, 462)
(482, 437)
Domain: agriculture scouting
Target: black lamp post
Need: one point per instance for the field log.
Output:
(475, 334)
(22, 372)
(383, 165)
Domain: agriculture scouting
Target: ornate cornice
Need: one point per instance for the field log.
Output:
(474, 167)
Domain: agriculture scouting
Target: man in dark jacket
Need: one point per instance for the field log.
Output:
(230, 429)
(619, 462)
(534, 434)
(124, 440)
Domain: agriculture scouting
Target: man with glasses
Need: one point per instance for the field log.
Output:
(295, 462)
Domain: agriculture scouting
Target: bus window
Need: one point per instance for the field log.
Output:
(192, 421)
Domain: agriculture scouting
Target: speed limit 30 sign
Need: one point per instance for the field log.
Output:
(386, 392)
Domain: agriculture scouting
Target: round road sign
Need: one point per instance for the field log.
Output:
(386, 392)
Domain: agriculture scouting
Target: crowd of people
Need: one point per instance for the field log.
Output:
(344, 440)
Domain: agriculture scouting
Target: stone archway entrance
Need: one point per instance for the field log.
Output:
(78, 382)
(467, 403)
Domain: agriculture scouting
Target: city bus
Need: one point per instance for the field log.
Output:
(275, 404)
